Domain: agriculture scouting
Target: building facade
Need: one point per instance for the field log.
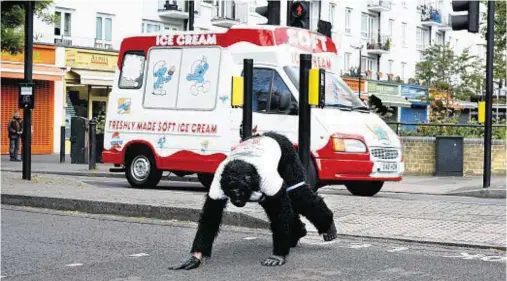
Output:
(87, 35)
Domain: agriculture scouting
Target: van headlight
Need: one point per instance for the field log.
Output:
(348, 145)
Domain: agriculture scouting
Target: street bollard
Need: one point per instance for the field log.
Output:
(248, 92)
(62, 144)
(92, 146)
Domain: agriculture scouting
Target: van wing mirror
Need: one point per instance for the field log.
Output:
(284, 103)
(317, 87)
(237, 95)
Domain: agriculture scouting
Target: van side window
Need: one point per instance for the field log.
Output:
(279, 89)
(261, 88)
(132, 70)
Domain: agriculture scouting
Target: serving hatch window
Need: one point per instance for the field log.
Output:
(337, 92)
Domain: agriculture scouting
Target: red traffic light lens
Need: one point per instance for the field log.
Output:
(297, 9)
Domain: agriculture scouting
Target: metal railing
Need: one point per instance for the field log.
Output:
(412, 129)
(380, 3)
(379, 42)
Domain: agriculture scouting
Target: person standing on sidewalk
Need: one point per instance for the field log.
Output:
(15, 133)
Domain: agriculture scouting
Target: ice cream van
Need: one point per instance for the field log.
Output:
(170, 107)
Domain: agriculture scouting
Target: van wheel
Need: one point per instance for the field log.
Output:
(205, 179)
(312, 179)
(141, 171)
(366, 188)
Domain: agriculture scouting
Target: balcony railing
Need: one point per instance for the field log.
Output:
(228, 13)
(379, 5)
(76, 41)
(430, 15)
(167, 5)
(380, 43)
(446, 22)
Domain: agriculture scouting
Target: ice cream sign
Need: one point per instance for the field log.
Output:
(186, 39)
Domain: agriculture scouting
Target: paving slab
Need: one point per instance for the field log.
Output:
(422, 220)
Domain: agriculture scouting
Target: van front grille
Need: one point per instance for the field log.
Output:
(384, 154)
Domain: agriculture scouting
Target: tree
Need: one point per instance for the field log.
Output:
(499, 38)
(13, 21)
(461, 75)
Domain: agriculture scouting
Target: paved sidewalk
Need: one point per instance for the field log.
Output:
(466, 186)
(425, 220)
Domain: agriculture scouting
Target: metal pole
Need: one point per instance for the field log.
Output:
(247, 101)
(62, 144)
(360, 72)
(27, 112)
(191, 15)
(92, 145)
(304, 110)
(486, 180)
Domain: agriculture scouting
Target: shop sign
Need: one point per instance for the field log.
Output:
(91, 59)
(414, 92)
(382, 88)
(353, 84)
(42, 54)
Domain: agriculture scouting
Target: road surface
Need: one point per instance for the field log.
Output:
(53, 245)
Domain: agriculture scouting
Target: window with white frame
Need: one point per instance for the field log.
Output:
(368, 25)
(346, 61)
(225, 9)
(104, 28)
(314, 15)
(368, 63)
(404, 33)
(348, 16)
(403, 67)
(332, 14)
(150, 27)
(63, 20)
(390, 66)
(422, 38)
(390, 28)
(440, 40)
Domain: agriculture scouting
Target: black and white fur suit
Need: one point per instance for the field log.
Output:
(265, 169)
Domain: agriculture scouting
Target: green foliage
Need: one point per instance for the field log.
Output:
(499, 38)
(13, 21)
(441, 68)
(467, 132)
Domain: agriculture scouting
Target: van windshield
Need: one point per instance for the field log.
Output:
(337, 92)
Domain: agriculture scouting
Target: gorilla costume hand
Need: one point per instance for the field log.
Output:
(274, 261)
(188, 264)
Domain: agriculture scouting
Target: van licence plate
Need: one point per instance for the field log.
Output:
(388, 167)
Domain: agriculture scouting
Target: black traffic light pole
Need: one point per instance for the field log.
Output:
(247, 99)
(304, 110)
(27, 111)
(486, 181)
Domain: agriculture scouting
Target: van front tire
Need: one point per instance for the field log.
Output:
(141, 171)
(364, 188)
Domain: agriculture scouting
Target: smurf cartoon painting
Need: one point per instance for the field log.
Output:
(200, 85)
(161, 142)
(162, 75)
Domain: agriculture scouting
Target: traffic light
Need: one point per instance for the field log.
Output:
(299, 14)
(271, 12)
(469, 21)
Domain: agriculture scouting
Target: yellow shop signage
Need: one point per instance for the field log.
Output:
(91, 59)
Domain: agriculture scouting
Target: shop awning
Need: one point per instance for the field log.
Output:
(393, 100)
(95, 78)
(40, 72)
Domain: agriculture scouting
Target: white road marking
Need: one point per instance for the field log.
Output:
(74, 264)
(398, 249)
(139, 255)
(357, 246)
(467, 256)
(2, 276)
(250, 238)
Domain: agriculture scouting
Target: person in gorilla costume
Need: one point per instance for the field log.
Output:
(265, 169)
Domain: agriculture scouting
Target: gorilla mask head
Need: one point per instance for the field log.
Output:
(239, 179)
